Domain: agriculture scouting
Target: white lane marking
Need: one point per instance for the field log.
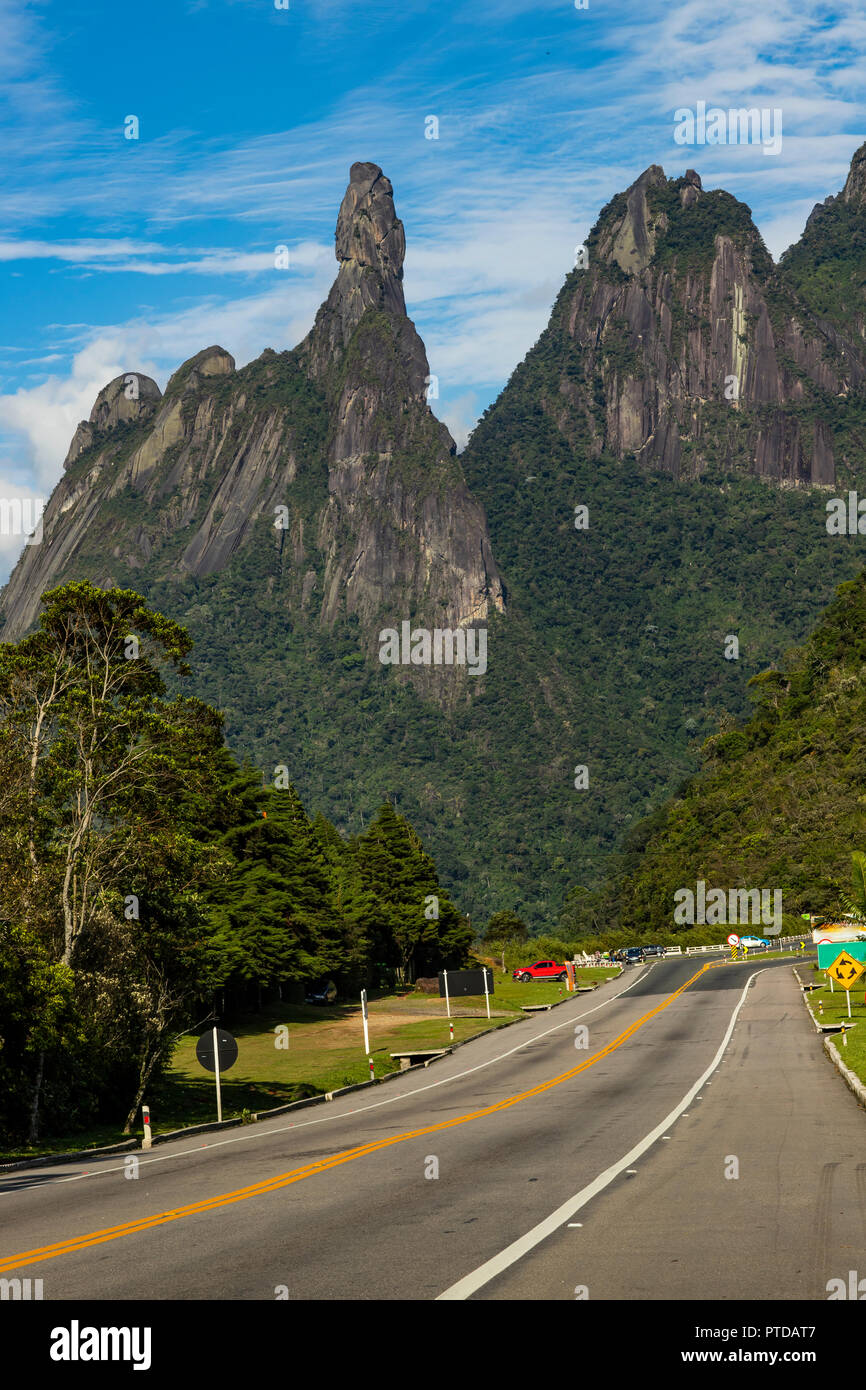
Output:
(471, 1283)
(342, 1115)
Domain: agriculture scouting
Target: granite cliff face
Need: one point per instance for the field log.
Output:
(681, 344)
(331, 451)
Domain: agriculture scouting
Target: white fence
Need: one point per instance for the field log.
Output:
(774, 945)
(583, 958)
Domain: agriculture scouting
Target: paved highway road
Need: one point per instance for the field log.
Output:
(560, 1168)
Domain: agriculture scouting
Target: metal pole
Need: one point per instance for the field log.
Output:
(486, 994)
(848, 993)
(447, 1000)
(364, 1015)
(216, 1062)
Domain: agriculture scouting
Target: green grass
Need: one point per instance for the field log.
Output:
(853, 1053)
(835, 1010)
(325, 1051)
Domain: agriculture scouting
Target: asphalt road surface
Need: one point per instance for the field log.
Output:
(695, 1144)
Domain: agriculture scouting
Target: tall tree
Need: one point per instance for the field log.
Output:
(102, 778)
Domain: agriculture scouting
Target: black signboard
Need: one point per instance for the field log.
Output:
(465, 982)
(228, 1050)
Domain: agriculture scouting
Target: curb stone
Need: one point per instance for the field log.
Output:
(72, 1157)
(852, 1081)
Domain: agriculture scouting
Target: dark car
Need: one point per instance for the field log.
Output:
(653, 951)
(633, 954)
(323, 994)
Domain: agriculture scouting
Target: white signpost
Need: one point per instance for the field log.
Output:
(217, 1051)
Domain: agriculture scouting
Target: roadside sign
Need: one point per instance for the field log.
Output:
(846, 970)
(455, 982)
(733, 939)
(217, 1051)
(226, 1046)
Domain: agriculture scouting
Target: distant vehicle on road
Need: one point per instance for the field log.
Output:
(541, 970)
(653, 951)
(751, 941)
(633, 954)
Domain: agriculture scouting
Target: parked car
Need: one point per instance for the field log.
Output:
(751, 941)
(653, 951)
(323, 994)
(633, 954)
(541, 970)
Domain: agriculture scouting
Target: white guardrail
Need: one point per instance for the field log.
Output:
(775, 943)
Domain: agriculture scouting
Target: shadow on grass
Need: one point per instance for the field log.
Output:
(178, 1101)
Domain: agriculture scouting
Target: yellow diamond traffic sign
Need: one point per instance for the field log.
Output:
(845, 970)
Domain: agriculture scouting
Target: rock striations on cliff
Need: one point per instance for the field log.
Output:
(680, 344)
(332, 448)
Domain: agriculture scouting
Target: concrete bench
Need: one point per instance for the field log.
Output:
(414, 1059)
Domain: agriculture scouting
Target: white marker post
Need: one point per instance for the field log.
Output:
(848, 994)
(447, 1000)
(147, 1141)
(486, 994)
(216, 1063)
(364, 1016)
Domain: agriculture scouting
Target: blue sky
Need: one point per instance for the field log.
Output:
(121, 254)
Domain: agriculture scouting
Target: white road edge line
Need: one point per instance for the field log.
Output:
(257, 1133)
(471, 1283)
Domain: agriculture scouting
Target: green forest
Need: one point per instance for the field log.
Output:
(146, 873)
(780, 802)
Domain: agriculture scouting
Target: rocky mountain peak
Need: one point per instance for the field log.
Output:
(211, 361)
(129, 397)
(855, 184)
(631, 242)
(691, 189)
(370, 245)
(369, 232)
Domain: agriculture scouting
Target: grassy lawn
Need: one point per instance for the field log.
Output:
(834, 1009)
(322, 1049)
(853, 1053)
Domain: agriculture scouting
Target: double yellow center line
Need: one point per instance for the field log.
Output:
(147, 1223)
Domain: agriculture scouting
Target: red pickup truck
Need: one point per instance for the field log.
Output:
(541, 970)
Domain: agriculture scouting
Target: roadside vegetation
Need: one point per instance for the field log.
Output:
(288, 1052)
